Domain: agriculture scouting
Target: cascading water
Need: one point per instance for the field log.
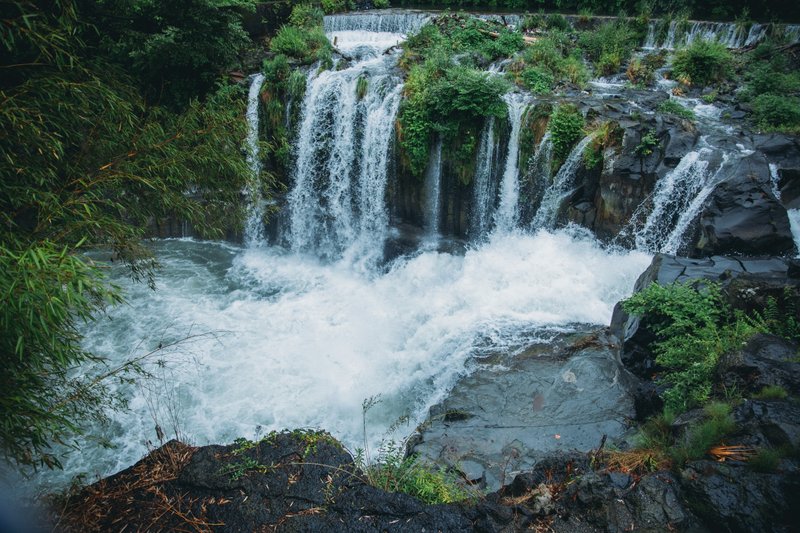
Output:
(433, 189)
(484, 191)
(670, 198)
(253, 231)
(507, 214)
(337, 200)
(561, 187)
(539, 169)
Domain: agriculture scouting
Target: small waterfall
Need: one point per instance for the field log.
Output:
(405, 23)
(539, 169)
(672, 195)
(341, 158)
(794, 224)
(726, 33)
(484, 184)
(433, 186)
(756, 34)
(669, 42)
(650, 40)
(792, 33)
(561, 187)
(775, 180)
(507, 212)
(687, 216)
(254, 227)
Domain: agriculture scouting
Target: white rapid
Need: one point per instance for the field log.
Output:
(507, 214)
(561, 187)
(253, 231)
(296, 342)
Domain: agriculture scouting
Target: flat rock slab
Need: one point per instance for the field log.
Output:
(506, 415)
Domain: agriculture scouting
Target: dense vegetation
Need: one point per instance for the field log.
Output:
(694, 327)
(111, 114)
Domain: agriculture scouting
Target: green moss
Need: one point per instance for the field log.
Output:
(771, 392)
(671, 107)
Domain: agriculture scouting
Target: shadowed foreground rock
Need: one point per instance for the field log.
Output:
(305, 481)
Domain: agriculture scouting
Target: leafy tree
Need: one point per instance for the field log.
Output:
(86, 163)
(175, 49)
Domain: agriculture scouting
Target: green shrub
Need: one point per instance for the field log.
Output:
(566, 129)
(765, 460)
(555, 21)
(380, 4)
(672, 107)
(608, 46)
(703, 63)
(537, 80)
(393, 472)
(337, 6)
(639, 73)
(647, 144)
(305, 44)
(306, 16)
(686, 322)
(777, 112)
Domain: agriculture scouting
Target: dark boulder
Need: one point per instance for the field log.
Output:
(742, 215)
(765, 361)
(737, 499)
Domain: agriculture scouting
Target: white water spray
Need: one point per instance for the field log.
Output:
(254, 226)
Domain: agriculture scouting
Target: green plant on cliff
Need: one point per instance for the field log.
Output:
(566, 129)
(394, 471)
(451, 101)
(688, 323)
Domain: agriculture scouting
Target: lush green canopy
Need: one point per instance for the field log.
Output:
(87, 161)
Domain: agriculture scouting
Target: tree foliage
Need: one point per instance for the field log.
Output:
(86, 163)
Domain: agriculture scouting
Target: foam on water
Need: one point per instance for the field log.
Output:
(302, 343)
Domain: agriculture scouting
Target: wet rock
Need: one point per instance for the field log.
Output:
(734, 498)
(742, 215)
(765, 361)
(561, 396)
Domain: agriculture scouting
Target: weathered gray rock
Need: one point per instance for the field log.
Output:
(508, 414)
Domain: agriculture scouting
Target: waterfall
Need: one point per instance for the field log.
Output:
(539, 170)
(484, 185)
(669, 42)
(775, 180)
(794, 224)
(650, 40)
(341, 158)
(405, 23)
(671, 197)
(433, 186)
(689, 214)
(507, 212)
(254, 227)
(561, 187)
